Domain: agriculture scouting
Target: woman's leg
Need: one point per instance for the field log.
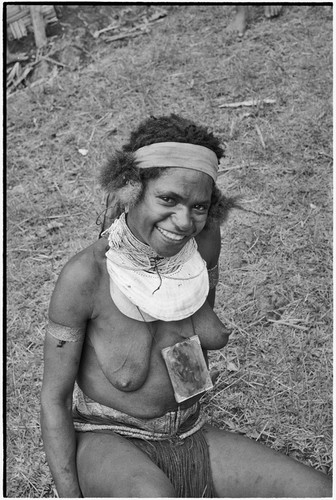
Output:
(110, 466)
(244, 468)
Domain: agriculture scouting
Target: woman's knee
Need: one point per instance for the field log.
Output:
(241, 467)
(142, 486)
(131, 484)
(110, 466)
(135, 484)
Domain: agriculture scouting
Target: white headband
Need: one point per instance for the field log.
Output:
(178, 154)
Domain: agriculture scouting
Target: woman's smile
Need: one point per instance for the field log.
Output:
(173, 209)
(170, 235)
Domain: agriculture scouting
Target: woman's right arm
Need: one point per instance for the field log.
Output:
(70, 309)
(60, 370)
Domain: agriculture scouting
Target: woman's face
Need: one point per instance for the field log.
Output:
(173, 209)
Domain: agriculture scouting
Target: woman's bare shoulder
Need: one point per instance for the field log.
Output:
(86, 265)
(209, 244)
(78, 281)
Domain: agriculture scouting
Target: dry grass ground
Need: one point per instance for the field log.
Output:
(276, 263)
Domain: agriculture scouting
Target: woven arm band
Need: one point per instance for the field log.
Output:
(65, 333)
(213, 276)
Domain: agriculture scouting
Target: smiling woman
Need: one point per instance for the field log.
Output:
(173, 209)
(144, 158)
(131, 320)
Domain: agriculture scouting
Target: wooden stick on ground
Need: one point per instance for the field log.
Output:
(252, 102)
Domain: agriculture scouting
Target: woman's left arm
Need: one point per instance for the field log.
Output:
(209, 246)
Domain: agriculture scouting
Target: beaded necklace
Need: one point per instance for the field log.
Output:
(134, 254)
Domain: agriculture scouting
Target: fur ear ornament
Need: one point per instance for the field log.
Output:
(120, 178)
(120, 170)
(128, 195)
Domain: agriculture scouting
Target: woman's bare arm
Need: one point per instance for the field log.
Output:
(70, 309)
(209, 246)
(60, 370)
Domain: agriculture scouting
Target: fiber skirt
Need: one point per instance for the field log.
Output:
(174, 442)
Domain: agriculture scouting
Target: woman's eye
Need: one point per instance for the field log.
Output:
(201, 208)
(166, 199)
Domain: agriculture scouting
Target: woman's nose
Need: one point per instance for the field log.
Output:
(183, 220)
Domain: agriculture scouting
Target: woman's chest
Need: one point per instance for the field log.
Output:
(129, 351)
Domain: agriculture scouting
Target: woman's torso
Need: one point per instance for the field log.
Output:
(122, 365)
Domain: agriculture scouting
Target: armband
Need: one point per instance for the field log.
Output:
(213, 274)
(65, 333)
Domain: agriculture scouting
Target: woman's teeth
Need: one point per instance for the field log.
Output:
(169, 235)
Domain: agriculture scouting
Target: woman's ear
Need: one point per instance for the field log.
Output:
(220, 208)
(129, 194)
(121, 199)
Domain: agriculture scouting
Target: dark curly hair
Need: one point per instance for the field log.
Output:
(126, 183)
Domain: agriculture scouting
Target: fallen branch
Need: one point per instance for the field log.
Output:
(14, 72)
(53, 61)
(128, 34)
(29, 67)
(155, 17)
(137, 30)
(24, 75)
(104, 30)
(252, 102)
